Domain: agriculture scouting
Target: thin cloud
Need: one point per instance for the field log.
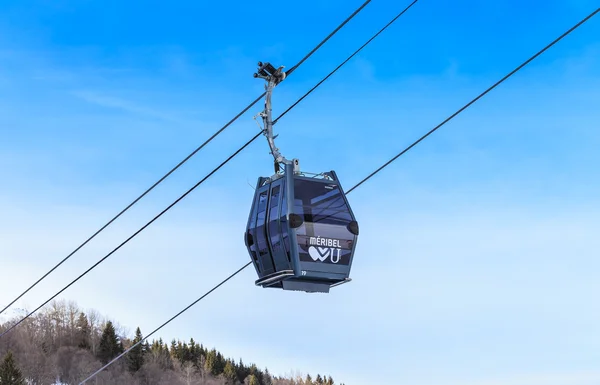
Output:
(125, 105)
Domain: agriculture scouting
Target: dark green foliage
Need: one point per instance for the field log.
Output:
(210, 365)
(229, 373)
(220, 363)
(256, 373)
(195, 352)
(160, 355)
(242, 370)
(156, 347)
(110, 346)
(186, 354)
(9, 373)
(136, 355)
(83, 332)
(267, 379)
(59, 345)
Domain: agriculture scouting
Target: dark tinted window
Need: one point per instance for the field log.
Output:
(273, 220)
(274, 212)
(262, 208)
(261, 238)
(284, 230)
(320, 202)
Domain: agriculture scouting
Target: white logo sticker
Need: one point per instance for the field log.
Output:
(322, 253)
(318, 241)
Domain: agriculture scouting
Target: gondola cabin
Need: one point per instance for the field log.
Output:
(301, 232)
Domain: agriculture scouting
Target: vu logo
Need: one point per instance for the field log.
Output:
(322, 253)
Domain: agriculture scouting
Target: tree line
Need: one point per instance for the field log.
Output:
(64, 345)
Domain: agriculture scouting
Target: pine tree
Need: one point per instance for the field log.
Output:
(252, 380)
(9, 373)
(186, 354)
(242, 370)
(179, 352)
(253, 369)
(319, 379)
(194, 351)
(267, 378)
(136, 355)
(230, 373)
(173, 350)
(146, 347)
(210, 365)
(199, 358)
(110, 346)
(83, 332)
(220, 363)
(308, 380)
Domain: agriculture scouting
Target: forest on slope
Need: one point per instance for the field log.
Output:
(64, 345)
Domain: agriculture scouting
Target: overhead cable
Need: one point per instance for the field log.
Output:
(183, 161)
(163, 325)
(477, 98)
(195, 186)
(360, 183)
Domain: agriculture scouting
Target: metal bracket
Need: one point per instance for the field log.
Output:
(273, 77)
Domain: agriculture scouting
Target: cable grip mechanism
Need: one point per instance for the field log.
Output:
(273, 77)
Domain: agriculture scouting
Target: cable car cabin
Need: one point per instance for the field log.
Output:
(301, 232)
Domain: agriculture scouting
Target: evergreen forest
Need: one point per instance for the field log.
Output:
(63, 345)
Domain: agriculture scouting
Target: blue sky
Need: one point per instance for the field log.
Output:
(477, 262)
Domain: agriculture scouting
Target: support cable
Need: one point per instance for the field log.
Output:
(152, 220)
(353, 188)
(183, 161)
(478, 97)
(163, 325)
